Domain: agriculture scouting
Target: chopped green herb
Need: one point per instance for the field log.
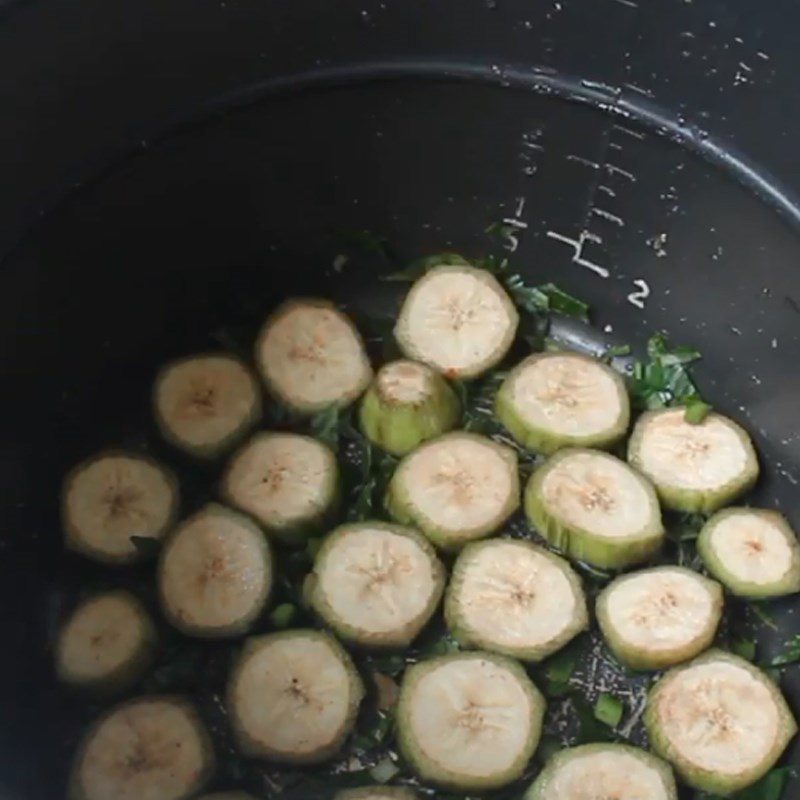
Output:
(789, 655)
(744, 648)
(558, 670)
(384, 771)
(770, 787)
(590, 729)
(696, 411)
(283, 615)
(441, 647)
(548, 746)
(762, 615)
(608, 709)
(563, 303)
(391, 665)
(325, 427)
(664, 380)
(615, 351)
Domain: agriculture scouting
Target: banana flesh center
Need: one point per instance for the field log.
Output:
(102, 635)
(280, 478)
(205, 400)
(514, 596)
(567, 395)
(719, 717)
(699, 457)
(147, 750)
(213, 572)
(117, 497)
(606, 776)
(660, 610)
(313, 356)
(293, 695)
(597, 494)
(376, 580)
(456, 320)
(751, 547)
(471, 716)
(405, 382)
(458, 483)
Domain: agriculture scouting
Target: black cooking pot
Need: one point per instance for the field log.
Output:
(170, 169)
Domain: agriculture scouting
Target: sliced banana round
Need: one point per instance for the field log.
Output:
(752, 551)
(556, 400)
(659, 617)
(694, 467)
(151, 747)
(458, 319)
(107, 643)
(215, 574)
(601, 772)
(376, 584)
(288, 482)
(469, 721)
(377, 793)
(720, 721)
(112, 497)
(293, 697)
(311, 356)
(407, 403)
(205, 404)
(515, 598)
(455, 489)
(594, 508)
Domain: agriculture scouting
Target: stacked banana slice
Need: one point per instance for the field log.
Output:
(469, 721)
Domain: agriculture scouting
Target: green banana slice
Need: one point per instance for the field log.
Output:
(376, 584)
(107, 643)
(455, 489)
(659, 617)
(515, 598)
(288, 482)
(377, 793)
(556, 400)
(601, 772)
(112, 498)
(154, 747)
(694, 467)
(754, 552)
(720, 721)
(311, 356)
(215, 574)
(469, 721)
(595, 508)
(407, 403)
(457, 319)
(205, 404)
(293, 697)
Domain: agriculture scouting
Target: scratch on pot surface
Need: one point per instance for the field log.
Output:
(606, 190)
(622, 129)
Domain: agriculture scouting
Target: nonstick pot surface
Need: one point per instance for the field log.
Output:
(206, 230)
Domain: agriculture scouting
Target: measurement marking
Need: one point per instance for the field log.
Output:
(585, 161)
(592, 237)
(606, 190)
(520, 207)
(577, 251)
(615, 146)
(637, 298)
(762, 56)
(642, 91)
(613, 169)
(623, 129)
(515, 222)
(607, 215)
(628, 3)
